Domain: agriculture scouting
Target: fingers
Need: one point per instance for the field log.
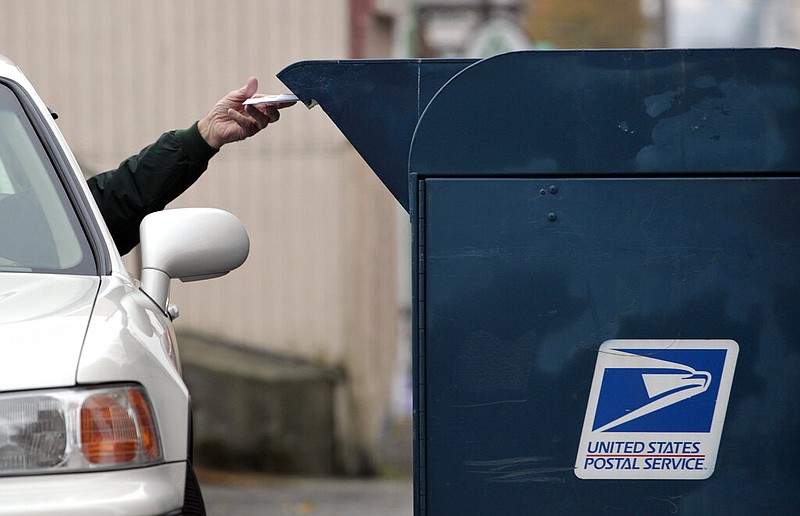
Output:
(233, 121)
(246, 91)
(247, 123)
(253, 120)
(251, 87)
(270, 113)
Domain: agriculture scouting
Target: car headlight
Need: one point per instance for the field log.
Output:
(77, 429)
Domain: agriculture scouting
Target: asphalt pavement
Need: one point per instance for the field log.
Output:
(258, 495)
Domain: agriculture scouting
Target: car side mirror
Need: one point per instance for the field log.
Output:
(189, 244)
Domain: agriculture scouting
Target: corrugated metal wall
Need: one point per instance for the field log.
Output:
(320, 282)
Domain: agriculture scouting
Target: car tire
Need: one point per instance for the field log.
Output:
(192, 497)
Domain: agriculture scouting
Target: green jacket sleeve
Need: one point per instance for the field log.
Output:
(148, 181)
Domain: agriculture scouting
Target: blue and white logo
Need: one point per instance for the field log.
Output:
(656, 409)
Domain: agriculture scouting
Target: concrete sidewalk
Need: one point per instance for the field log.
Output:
(258, 495)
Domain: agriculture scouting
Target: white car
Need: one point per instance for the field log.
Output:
(94, 415)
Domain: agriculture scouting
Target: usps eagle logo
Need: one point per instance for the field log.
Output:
(656, 409)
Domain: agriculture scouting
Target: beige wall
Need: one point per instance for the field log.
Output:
(780, 24)
(320, 282)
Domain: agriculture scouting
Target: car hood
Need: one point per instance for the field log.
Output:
(43, 320)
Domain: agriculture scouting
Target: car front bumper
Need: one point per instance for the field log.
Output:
(156, 490)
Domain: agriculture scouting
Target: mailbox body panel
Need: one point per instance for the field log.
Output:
(522, 280)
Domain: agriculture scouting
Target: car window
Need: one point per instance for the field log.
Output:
(39, 229)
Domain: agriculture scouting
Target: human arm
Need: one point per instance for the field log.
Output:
(150, 180)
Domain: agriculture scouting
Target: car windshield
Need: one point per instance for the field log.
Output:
(39, 229)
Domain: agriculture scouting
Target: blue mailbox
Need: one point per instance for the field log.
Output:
(607, 273)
